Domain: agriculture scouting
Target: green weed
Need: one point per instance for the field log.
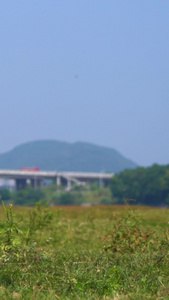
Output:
(84, 253)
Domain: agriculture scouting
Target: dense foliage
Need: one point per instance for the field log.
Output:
(147, 186)
(93, 195)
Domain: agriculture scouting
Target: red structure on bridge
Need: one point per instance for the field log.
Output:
(35, 169)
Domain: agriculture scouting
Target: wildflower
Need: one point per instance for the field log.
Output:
(35, 243)
(47, 241)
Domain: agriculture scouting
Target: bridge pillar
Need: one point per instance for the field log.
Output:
(69, 184)
(101, 182)
(36, 182)
(20, 184)
(58, 181)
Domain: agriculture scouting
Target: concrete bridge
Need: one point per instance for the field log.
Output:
(37, 178)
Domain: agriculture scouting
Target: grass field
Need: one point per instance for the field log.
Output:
(108, 252)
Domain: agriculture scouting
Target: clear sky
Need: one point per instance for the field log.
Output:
(86, 70)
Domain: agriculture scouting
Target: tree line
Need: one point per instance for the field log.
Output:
(146, 186)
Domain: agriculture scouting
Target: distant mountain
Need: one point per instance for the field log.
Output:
(61, 156)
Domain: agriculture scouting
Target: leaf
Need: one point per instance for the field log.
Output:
(4, 207)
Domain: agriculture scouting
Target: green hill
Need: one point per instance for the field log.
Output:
(62, 156)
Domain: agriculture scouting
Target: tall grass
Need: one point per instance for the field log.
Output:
(84, 253)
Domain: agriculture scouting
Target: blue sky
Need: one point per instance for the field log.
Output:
(86, 70)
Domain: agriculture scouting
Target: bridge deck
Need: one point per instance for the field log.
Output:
(14, 174)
